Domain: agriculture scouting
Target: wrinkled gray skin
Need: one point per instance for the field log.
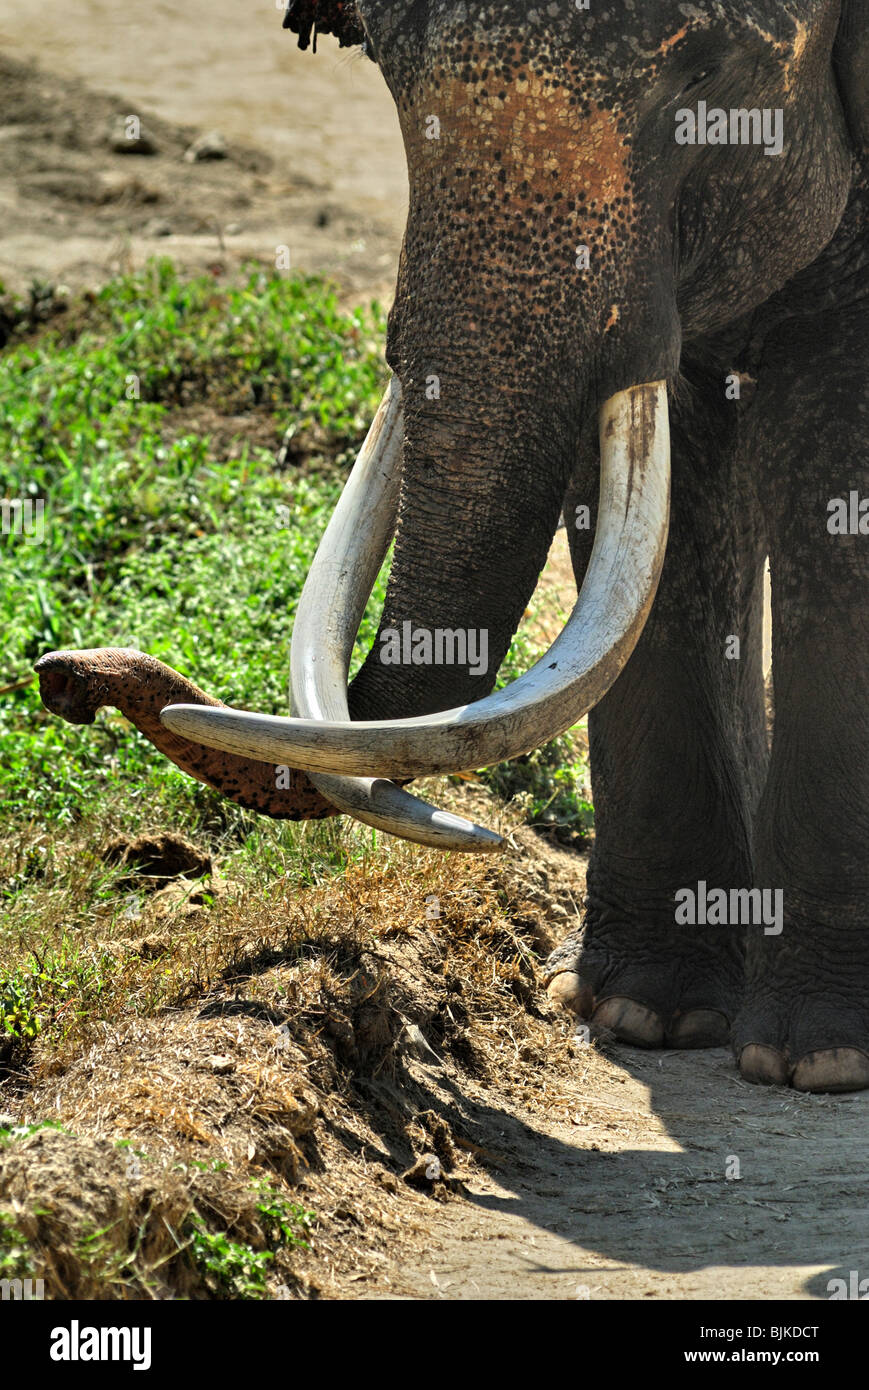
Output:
(704, 261)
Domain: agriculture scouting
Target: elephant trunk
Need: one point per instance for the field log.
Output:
(482, 483)
(451, 581)
(76, 684)
(527, 295)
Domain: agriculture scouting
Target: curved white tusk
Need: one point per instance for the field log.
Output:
(330, 610)
(578, 669)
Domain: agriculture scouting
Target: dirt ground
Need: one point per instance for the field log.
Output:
(627, 1197)
(610, 1179)
(316, 161)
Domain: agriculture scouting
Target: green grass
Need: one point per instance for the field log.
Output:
(151, 538)
(155, 537)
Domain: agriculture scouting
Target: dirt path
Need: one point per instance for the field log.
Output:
(629, 1198)
(335, 191)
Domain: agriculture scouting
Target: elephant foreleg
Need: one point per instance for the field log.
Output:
(678, 750)
(805, 1018)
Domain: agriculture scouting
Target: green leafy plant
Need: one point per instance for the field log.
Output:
(228, 1268)
(284, 1223)
(20, 1019)
(19, 1132)
(15, 1256)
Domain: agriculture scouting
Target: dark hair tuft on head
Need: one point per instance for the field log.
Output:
(338, 17)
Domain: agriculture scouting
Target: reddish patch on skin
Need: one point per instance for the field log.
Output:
(75, 684)
(544, 143)
(665, 47)
(528, 168)
(547, 172)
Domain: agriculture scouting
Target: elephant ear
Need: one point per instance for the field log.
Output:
(851, 61)
(338, 17)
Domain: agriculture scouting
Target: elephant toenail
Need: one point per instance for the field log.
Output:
(832, 1069)
(630, 1022)
(568, 991)
(699, 1028)
(765, 1066)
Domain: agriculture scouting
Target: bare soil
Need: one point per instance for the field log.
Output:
(314, 162)
(620, 1191)
(564, 1170)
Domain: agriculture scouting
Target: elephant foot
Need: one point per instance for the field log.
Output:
(684, 998)
(633, 1022)
(809, 1046)
(828, 1069)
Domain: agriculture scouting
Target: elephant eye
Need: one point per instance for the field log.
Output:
(698, 78)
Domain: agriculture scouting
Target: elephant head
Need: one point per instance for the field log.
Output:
(577, 212)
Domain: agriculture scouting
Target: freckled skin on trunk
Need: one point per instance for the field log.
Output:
(75, 685)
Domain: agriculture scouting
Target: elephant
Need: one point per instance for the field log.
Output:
(633, 288)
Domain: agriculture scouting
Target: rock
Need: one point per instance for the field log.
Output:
(425, 1172)
(127, 135)
(233, 229)
(8, 1121)
(221, 1066)
(211, 145)
(157, 226)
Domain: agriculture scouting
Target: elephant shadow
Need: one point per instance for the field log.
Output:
(676, 1165)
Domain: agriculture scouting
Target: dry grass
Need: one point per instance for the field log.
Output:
(198, 1039)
